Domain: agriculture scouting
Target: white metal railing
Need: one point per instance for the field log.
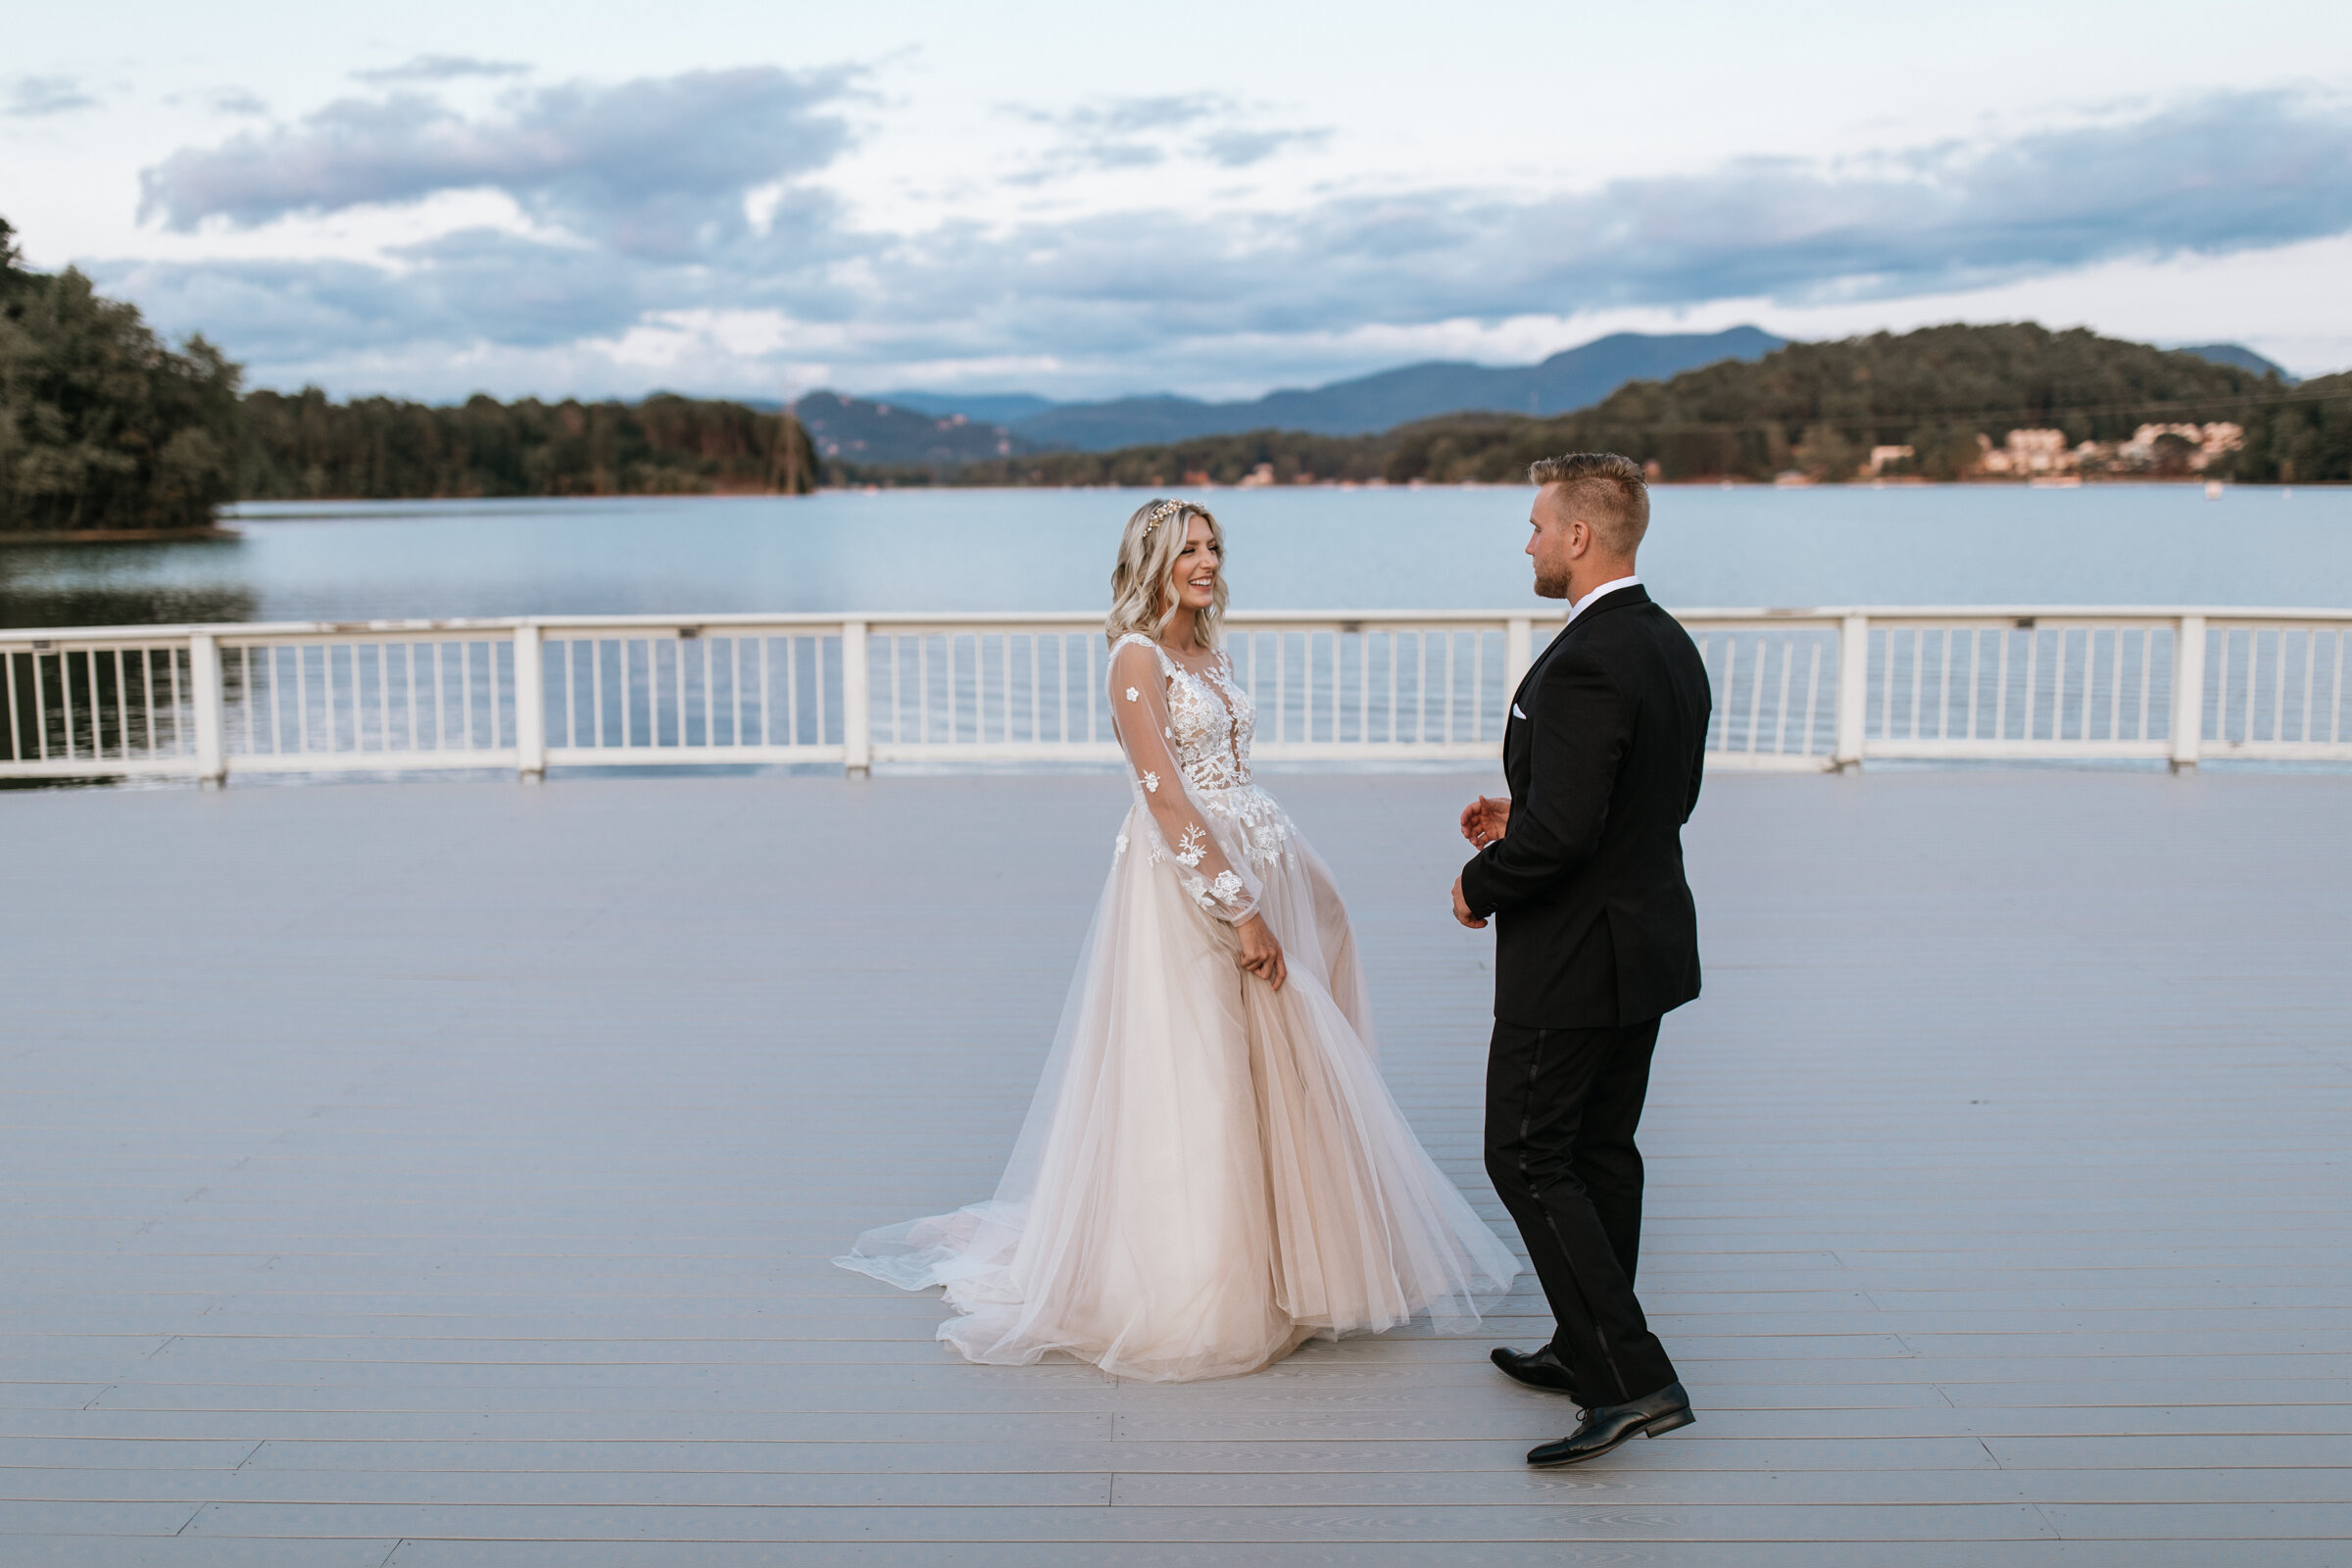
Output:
(1794, 690)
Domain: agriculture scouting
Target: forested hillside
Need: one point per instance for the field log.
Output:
(306, 447)
(2301, 441)
(102, 429)
(1818, 408)
(862, 430)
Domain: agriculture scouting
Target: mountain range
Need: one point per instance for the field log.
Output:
(947, 429)
(2237, 353)
(1570, 379)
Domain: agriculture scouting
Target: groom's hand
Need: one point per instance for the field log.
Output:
(1462, 908)
(1485, 819)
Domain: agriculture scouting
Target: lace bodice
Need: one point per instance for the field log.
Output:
(1187, 738)
(1211, 719)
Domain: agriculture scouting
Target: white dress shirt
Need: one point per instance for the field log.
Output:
(1575, 606)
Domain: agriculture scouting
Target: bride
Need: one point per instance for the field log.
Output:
(1212, 1170)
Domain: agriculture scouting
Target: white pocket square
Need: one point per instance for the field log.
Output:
(1515, 712)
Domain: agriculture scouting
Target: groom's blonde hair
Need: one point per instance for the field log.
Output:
(1607, 491)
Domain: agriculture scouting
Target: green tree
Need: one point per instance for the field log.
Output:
(102, 429)
(1944, 452)
(1824, 455)
(304, 446)
(2304, 438)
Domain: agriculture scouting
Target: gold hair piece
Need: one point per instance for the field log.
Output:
(1163, 512)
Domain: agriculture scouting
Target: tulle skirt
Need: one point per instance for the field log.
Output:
(1211, 1172)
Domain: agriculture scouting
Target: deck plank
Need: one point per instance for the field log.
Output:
(444, 1175)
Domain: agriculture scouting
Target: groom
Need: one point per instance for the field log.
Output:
(1582, 867)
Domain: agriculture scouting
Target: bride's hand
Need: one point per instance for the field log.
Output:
(1261, 954)
(1485, 819)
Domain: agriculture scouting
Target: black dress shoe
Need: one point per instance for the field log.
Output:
(1538, 1369)
(1605, 1426)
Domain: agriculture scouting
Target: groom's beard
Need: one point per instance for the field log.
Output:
(1551, 584)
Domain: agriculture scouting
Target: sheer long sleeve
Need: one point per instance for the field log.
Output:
(1139, 706)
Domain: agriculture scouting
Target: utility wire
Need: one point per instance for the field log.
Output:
(2047, 413)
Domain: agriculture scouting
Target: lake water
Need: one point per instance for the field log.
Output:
(1305, 549)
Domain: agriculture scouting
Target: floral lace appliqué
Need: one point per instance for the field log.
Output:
(1210, 724)
(1255, 820)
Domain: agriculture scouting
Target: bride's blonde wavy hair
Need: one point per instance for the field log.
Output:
(1143, 591)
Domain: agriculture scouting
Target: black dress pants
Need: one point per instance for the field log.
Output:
(1561, 1109)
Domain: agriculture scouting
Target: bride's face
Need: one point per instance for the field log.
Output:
(1195, 578)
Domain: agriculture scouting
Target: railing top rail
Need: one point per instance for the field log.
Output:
(18, 636)
(215, 697)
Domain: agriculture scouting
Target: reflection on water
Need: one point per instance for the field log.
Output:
(116, 585)
(95, 705)
(153, 606)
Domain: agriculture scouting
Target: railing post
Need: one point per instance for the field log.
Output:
(530, 707)
(1853, 690)
(856, 745)
(1518, 652)
(204, 693)
(2188, 693)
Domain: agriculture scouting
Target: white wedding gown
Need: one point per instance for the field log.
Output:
(1211, 1171)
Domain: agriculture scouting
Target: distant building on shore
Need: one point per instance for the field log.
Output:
(2027, 454)
(2154, 449)
(2197, 444)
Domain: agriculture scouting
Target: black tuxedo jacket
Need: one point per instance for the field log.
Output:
(1603, 749)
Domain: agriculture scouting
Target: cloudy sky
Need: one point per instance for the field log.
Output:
(1216, 198)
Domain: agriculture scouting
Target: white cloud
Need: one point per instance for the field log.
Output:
(651, 167)
(687, 222)
(38, 97)
(440, 68)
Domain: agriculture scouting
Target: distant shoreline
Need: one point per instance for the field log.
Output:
(1899, 482)
(120, 536)
(272, 508)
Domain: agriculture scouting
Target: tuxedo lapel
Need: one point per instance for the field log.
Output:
(1512, 739)
(1514, 721)
(1631, 594)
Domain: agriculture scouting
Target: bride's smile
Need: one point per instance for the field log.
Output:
(1197, 568)
(1195, 578)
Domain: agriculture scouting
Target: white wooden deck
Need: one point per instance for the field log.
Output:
(443, 1174)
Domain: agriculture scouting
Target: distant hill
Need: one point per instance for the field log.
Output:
(862, 433)
(1820, 407)
(1816, 407)
(1573, 378)
(1744, 405)
(981, 408)
(2238, 355)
